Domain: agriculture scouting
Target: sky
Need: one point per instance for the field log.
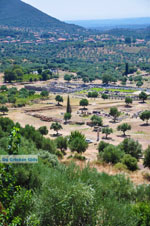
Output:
(92, 9)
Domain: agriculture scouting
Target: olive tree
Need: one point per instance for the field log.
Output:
(56, 127)
(145, 115)
(124, 127)
(114, 113)
(107, 131)
(84, 103)
(143, 96)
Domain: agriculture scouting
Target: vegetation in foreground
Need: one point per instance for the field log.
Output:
(50, 193)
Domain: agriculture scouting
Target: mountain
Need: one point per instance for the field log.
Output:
(113, 23)
(15, 13)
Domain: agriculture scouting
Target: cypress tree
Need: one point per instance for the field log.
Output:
(127, 69)
(68, 109)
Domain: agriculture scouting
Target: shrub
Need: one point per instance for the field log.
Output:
(120, 166)
(44, 93)
(129, 146)
(130, 162)
(102, 145)
(43, 130)
(147, 157)
(56, 201)
(142, 211)
(62, 143)
(112, 154)
(49, 158)
(79, 157)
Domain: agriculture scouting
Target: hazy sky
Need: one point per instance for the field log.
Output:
(92, 9)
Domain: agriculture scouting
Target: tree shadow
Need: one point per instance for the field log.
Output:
(128, 106)
(145, 124)
(114, 122)
(108, 138)
(141, 102)
(83, 109)
(3, 114)
(123, 136)
(56, 135)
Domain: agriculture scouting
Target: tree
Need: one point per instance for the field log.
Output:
(67, 77)
(132, 147)
(45, 75)
(104, 96)
(62, 143)
(43, 130)
(56, 127)
(93, 94)
(145, 115)
(3, 99)
(44, 93)
(19, 73)
(96, 120)
(77, 142)
(114, 113)
(106, 78)
(128, 101)
(124, 127)
(3, 109)
(3, 88)
(143, 96)
(84, 102)
(68, 109)
(139, 83)
(127, 69)
(9, 76)
(39, 71)
(128, 40)
(147, 157)
(67, 116)
(59, 99)
(107, 131)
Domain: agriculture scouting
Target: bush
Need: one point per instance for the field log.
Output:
(102, 145)
(112, 154)
(49, 158)
(43, 130)
(120, 166)
(142, 211)
(147, 157)
(130, 162)
(44, 93)
(79, 157)
(129, 146)
(54, 208)
(62, 143)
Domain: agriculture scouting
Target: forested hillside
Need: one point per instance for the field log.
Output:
(19, 14)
